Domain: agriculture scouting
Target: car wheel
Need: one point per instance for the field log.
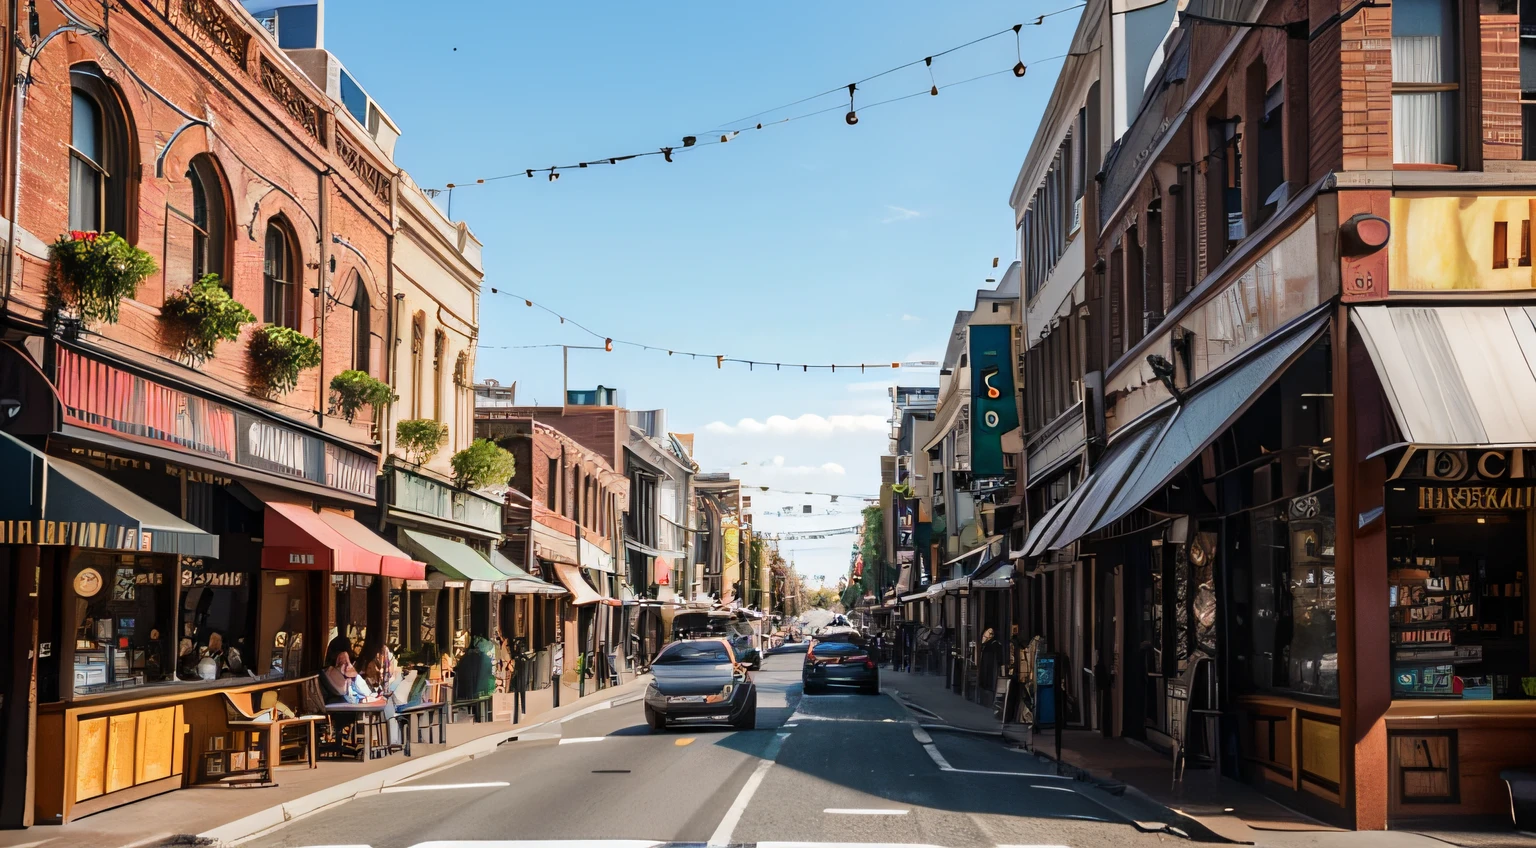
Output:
(657, 721)
(871, 688)
(810, 688)
(748, 719)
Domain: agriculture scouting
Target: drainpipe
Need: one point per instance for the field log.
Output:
(13, 152)
(387, 426)
(325, 207)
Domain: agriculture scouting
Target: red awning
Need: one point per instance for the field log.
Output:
(300, 539)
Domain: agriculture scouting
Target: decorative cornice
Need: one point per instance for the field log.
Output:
(376, 180)
(293, 101)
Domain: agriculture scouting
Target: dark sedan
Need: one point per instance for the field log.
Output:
(840, 658)
(700, 680)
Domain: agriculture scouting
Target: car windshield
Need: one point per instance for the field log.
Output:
(836, 647)
(701, 653)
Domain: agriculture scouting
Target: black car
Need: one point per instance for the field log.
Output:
(840, 658)
(700, 680)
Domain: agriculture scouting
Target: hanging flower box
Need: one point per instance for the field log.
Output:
(202, 315)
(278, 355)
(89, 274)
(351, 390)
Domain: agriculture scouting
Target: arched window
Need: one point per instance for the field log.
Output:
(418, 341)
(207, 218)
(99, 154)
(362, 325)
(280, 271)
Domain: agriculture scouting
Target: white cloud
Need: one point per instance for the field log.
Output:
(806, 425)
(906, 317)
(898, 213)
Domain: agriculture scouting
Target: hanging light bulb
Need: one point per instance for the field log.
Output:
(1019, 69)
(720, 361)
(608, 345)
(530, 173)
(529, 302)
(935, 90)
(666, 153)
(852, 117)
(689, 141)
(553, 175)
(1018, 52)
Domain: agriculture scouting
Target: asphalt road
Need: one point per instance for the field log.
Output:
(832, 768)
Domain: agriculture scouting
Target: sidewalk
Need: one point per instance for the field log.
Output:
(1227, 808)
(223, 814)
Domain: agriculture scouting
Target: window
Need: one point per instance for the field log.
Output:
(418, 342)
(99, 154)
(281, 276)
(702, 653)
(1270, 162)
(1295, 644)
(439, 351)
(550, 502)
(1424, 82)
(207, 218)
(1224, 184)
(362, 326)
(1135, 289)
(125, 633)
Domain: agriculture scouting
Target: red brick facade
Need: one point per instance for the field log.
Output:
(198, 77)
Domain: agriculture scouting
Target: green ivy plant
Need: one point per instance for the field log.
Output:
(279, 354)
(202, 315)
(351, 390)
(420, 438)
(483, 463)
(89, 274)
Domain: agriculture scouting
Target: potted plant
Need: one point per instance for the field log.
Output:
(89, 274)
(202, 315)
(278, 354)
(420, 438)
(351, 390)
(483, 463)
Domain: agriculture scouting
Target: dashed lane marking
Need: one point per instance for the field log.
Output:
(687, 740)
(727, 826)
(579, 739)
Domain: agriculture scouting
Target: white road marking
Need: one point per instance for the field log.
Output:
(411, 787)
(938, 758)
(727, 826)
(843, 811)
(578, 739)
(1031, 846)
(842, 845)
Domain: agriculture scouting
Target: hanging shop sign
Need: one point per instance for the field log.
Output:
(1475, 498)
(108, 399)
(994, 404)
(1455, 465)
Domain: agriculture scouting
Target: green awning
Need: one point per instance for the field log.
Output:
(519, 581)
(456, 560)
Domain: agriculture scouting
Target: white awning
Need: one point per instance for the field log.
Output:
(1455, 375)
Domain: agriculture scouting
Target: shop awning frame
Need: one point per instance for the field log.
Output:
(1455, 375)
(53, 501)
(299, 539)
(519, 581)
(989, 542)
(582, 593)
(455, 560)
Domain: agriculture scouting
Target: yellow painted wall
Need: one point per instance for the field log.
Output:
(1447, 243)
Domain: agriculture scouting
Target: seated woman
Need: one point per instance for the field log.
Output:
(346, 685)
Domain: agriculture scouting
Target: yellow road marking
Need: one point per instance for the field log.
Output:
(687, 740)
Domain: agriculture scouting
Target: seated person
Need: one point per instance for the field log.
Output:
(346, 685)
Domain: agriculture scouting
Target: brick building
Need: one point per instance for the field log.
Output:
(186, 519)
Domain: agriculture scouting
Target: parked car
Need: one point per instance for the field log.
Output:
(700, 680)
(840, 658)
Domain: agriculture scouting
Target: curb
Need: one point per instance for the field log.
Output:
(259, 823)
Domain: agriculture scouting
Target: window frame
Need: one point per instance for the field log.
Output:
(283, 312)
(116, 162)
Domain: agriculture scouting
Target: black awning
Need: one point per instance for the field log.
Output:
(56, 502)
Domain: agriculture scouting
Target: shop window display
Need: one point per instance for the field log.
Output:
(214, 621)
(351, 608)
(1292, 596)
(123, 620)
(1458, 592)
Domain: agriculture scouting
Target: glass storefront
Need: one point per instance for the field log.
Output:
(1458, 597)
(1292, 596)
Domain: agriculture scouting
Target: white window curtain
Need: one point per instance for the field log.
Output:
(1423, 123)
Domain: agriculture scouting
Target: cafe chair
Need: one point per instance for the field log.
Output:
(265, 725)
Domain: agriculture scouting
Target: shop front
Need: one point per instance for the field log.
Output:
(172, 567)
(1446, 482)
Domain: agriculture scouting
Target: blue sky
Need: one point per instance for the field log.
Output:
(812, 241)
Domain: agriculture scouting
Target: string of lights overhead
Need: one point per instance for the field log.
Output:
(719, 359)
(752, 123)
